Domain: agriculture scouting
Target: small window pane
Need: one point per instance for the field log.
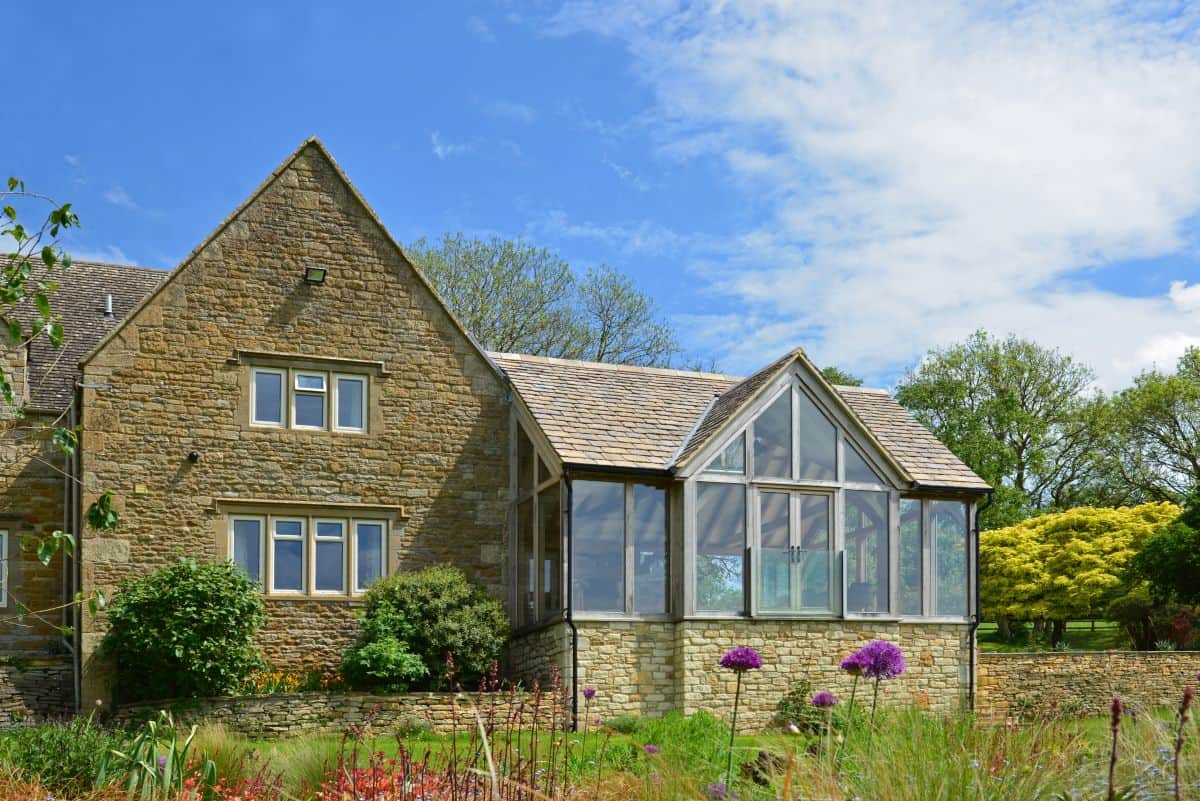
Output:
(650, 584)
(330, 528)
(350, 403)
(773, 439)
(549, 523)
(948, 519)
(311, 381)
(857, 469)
(910, 556)
(289, 565)
(866, 551)
(720, 547)
(526, 565)
(525, 462)
(268, 397)
(289, 528)
(598, 541)
(818, 443)
(776, 555)
(247, 547)
(369, 542)
(331, 566)
(732, 459)
(310, 410)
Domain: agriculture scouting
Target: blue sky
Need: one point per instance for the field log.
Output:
(867, 183)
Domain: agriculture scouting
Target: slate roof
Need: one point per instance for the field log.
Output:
(649, 418)
(79, 303)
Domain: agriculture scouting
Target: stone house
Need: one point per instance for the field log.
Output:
(294, 396)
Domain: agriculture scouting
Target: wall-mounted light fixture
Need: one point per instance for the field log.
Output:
(314, 275)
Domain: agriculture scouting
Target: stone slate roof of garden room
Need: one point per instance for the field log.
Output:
(620, 416)
(78, 302)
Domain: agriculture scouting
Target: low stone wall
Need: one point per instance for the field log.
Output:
(35, 689)
(1081, 683)
(290, 714)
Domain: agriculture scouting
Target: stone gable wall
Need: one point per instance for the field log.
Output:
(1028, 685)
(436, 452)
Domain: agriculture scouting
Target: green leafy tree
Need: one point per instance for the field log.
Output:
(1155, 447)
(1022, 416)
(1170, 560)
(31, 258)
(1066, 565)
(836, 375)
(514, 297)
(434, 613)
(185, 630)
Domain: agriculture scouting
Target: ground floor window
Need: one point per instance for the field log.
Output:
(309, 555)
(619, 546)
(934, 558)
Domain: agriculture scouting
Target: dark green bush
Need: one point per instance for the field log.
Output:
(626, 724)
(381, 660)
(64, 757)
(434, 612)
(185, 630)
(796, 708)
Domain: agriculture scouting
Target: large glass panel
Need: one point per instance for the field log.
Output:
(350, 392)
(866, 551)
(731, 460)
(816, 558)
(649, 549)
(857, 469)
(910, 556)
(310, 410)
(549, 524)
(775, 572)
(948, 519)
(818, 443)
(526, 565)
(368, 540)
(268, 397)
(287, 556)
(525, 458)
(247, 546)
(598, 544)
(773, 439)
(329, 566)
(720, 547)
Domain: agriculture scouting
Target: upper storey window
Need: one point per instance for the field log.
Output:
(308, 399)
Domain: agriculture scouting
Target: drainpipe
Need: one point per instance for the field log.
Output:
(568, 614)
(975, 580)
(72, 516)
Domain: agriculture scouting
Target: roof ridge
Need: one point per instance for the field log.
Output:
(868, 390)
(632, 368)
(95, 263)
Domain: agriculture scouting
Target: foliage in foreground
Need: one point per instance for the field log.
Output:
(185, 630)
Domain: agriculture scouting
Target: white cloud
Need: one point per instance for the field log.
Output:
(119, 197)
(642, 236)
(110, 254)
(933, 167)
(71, 160)
(508, 110)
(628, 176)
(479, 28)
(444, 150)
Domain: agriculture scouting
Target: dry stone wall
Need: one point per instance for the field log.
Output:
(291, 714)
(35, 690)
(1082, 683)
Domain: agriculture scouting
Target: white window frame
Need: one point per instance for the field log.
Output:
(283, 396)
(262, 544)
(313, 539)
(3, 568)
(337, 401)
(383, 552)
(324, 393)
(302, 539)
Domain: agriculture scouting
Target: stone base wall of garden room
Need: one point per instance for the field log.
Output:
(648, 668)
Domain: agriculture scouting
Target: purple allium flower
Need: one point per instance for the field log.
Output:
(162, 763)
(793, 728)
(589, 693)
(854, 664)
(650, 749)
(741, 658)
(824, 700)
(880, 660)
(715, 791)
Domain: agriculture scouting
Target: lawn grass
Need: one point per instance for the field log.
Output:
(1080, 636)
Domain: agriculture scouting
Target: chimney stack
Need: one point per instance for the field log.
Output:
(108, 312)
